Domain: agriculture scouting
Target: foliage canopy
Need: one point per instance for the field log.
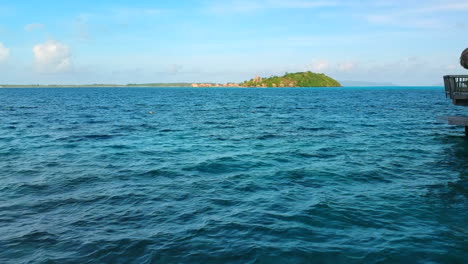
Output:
(299, 79)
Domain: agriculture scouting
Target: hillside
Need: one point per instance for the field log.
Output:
(299, 79)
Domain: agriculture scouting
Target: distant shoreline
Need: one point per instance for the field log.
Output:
(155, 85)
(300, 79)
(146, 86)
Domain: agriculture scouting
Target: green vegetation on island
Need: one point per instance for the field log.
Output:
(299, 79)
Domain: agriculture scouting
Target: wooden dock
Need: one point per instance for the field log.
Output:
(456, 88)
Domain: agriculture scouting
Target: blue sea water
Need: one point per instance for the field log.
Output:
(348, 175)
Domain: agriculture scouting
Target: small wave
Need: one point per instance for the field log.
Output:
(79, 138)
(149, 126)
(166, 130)
(311, 128)
(269, 136)
(98, 136)
(120, 147)
(97, 122)
(159, 173)
(116, 251)
(37, 236)
(319, 155)
(225, 165)
(28, 107)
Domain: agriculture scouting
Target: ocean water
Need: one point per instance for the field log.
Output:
(348, 175)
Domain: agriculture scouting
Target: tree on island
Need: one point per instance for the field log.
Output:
(464, 59)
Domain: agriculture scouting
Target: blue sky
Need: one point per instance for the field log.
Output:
(404, 42)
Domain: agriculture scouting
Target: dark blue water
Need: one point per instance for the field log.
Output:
(231, 176)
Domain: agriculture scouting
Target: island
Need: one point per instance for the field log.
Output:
(298, 79)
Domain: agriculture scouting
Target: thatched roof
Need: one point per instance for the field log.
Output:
(464, 59)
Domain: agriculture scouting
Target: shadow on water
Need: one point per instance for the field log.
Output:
(446, 198)
(455, 161)
(453, 192)
(456, 153)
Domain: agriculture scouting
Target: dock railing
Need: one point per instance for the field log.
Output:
(456, 86)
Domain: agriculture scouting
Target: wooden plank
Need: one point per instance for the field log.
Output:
(455, 120)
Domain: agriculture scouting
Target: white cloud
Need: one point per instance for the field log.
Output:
(4, 52)
(127, 14)
(52, 57)
(34, 26)
(234, 7)
(300, 4)
(412, 70)
(319, 66)
(452, 67)
(244, 6)
(401, 20)
(175, 68)
(346, 66)
(454, 6)
(424, 16)
(325, 66)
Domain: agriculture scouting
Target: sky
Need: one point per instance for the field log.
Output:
(405, 42)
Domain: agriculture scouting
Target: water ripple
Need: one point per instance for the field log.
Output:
(231, 176)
